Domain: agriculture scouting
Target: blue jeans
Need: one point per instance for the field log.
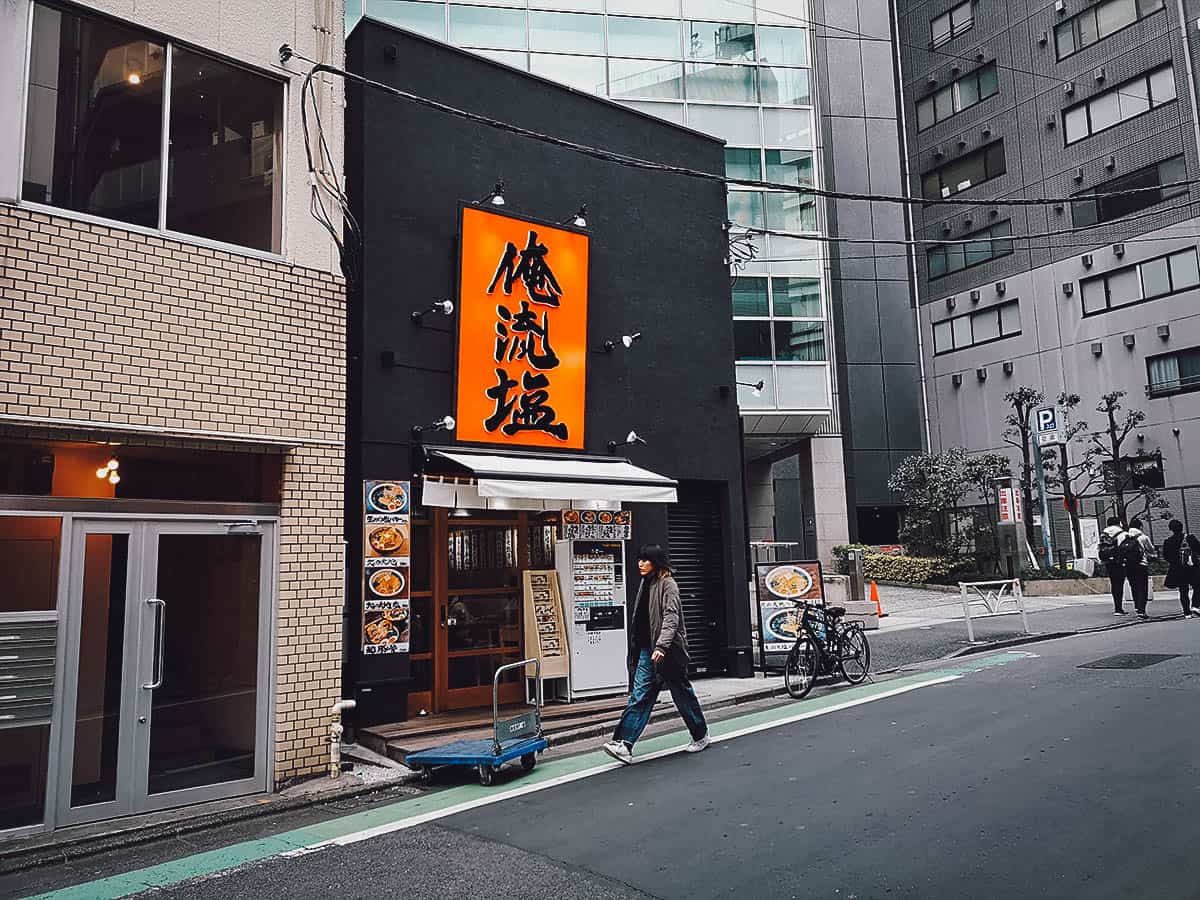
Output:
(643, 697)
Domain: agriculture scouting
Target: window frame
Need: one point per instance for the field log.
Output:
(1094, 11)
(979, 236)
(1192, 384)
(1115, 93)
(952, 33)
(953, 88)
(771, 319)
(994, 310)
(1114, 185)
(983, 153)
(283, 136)
(1104, 277)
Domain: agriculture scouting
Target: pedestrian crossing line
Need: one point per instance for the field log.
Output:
(409, 813)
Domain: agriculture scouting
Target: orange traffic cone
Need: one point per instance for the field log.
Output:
(875, 599)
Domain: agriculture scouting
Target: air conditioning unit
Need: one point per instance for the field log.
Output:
(1097, 348)
(945, 228)
(1099, 73)
(939, 152)
(981, 374)
(1078, 176)
(980, 55)
(1111, 164)
(1128, 340)
(956, 379)
(986, 130)
(1069, 89)
(1118, 250)
(1087, 260)
(951, 303)
(1068, 288)
(975, 296)
(945, 192)
(1044, 38)
(962, 141)
(1164, 331)
(931, 81)
(1001, 288)
(1060, 6)
(1051, 121)
(1008, 367)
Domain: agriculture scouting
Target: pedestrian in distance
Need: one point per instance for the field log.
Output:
(1110, 555)
(1137, 550)
(1182, 553)
(658, 658)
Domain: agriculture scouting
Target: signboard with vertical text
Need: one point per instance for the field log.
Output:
(387, 554)
(522, 331)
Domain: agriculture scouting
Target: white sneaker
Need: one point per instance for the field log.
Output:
(620, 751)
(697, 746)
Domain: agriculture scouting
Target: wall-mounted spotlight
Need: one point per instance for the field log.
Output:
(446, 423)
(630, 439)
(579, 220)
(495, 197)
(627, 341)
(445, 307)
(756, 389)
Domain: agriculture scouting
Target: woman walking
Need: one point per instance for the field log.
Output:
(658, 657)
(1182, 553)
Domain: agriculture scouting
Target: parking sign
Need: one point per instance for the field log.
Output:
(1046, 426)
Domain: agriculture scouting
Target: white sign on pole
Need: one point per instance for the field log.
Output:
(1089, 534)
(1046, 426)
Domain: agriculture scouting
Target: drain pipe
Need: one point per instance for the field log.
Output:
(335, 736)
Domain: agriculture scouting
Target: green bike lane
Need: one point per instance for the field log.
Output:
(438, 804)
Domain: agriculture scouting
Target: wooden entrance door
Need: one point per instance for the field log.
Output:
(478, 595)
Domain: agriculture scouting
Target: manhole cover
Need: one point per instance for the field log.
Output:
(1129, 661)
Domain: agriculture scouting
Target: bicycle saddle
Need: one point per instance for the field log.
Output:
(835, 612)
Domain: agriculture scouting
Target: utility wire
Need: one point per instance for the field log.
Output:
(635, 162)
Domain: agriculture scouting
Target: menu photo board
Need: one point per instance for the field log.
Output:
(781, 586)
(387, 551)
(545, 633)
(596, 525)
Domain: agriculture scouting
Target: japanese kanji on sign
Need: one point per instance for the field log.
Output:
(522, 338)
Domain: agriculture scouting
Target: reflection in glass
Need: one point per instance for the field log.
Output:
(645, 78)
(790, 167)
(797, 297)
(746, 209)
(203, 720)
(428, 19)
(421, 630)
(783, 46)
(732, 84)
(101, 655)
(24, 754)
(787, 87)
(743, 162)
(566, 33)
(725, 41)
(478, 623)
(583, 72)
(29, 563)
(94, 121)
(224, 183)
(751, 340)
(515, 58)
(787, 128)
(791, 212)
(483, 26)
(750, 297)
(800, 341)
(649, 38)
(478, 671)
(483, 556)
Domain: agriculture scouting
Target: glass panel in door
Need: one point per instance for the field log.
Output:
(204, 724)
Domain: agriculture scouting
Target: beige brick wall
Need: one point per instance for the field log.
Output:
(103, 325)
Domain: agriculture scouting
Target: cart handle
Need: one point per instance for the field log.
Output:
(537, 674)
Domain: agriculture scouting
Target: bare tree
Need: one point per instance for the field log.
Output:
(1109, 455)
(1019, 434)
(1075, 478)
(981, 472)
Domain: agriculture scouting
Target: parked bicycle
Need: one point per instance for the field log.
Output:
(826, 644)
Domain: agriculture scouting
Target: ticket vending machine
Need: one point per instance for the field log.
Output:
(591, 575)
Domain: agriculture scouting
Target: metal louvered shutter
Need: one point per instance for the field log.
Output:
(694, 534)
(27, 657)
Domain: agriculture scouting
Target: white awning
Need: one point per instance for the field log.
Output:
(532, 481)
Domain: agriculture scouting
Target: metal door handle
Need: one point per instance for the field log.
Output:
(160, 639)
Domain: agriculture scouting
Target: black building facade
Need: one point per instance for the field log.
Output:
(656, 268)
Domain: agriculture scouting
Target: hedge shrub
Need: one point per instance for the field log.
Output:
(908, 569)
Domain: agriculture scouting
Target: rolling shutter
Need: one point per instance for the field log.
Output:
(694, 533)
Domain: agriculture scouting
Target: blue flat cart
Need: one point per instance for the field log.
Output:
(517, 738)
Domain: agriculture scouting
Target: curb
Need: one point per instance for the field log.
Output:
(1056, 635)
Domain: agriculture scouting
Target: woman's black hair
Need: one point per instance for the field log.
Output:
(1176, 526)
(656, 556)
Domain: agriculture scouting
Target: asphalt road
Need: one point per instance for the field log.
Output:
(1032, 779)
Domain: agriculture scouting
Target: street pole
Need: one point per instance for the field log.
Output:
(1047, 541)
(1069, 500)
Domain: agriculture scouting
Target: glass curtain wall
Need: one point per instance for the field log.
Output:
(730, 68)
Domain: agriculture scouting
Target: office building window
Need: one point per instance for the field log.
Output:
(1091, 211)
(1174, 373)
(743, 162)
(97, 105)
(979, 327)
(428, 19)
(644, 79)
(485, 26)
(719, 41)
(1125, 101)
(652, 38)
(790, 167)
(957, 96)
(951, 24)
(779, 318)
(750, 297)
(965, 172)
(981, 246)
(563, 32)
(781, 46)
(1098, 22)
(1149, 280)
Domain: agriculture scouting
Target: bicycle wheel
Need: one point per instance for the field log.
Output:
(803, 664)
(854, 657)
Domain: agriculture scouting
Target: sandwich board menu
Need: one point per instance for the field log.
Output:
(387, 549)
(545, 634)
(781, 585)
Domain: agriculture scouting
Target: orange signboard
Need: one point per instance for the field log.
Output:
(522, 332)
